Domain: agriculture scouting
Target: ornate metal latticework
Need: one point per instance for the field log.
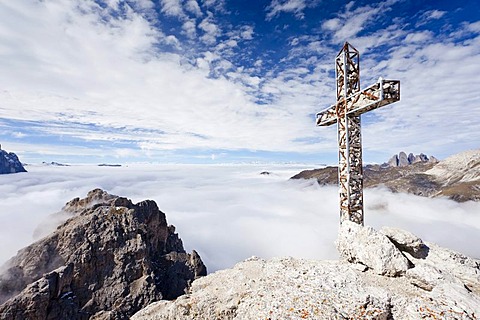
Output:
(351, 103)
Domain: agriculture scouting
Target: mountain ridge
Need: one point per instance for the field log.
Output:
(457, 177)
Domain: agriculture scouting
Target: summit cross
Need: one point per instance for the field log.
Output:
(351, 103)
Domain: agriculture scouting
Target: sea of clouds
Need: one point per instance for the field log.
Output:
(230, 212)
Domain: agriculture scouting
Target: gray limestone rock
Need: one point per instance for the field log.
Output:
(287, 288)
(9, 163)
(112, 258)
(406, 241)
(403, 159)
(358, 244)
(443, 284)
(393, 162)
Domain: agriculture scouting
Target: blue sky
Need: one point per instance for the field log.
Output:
(208, 81)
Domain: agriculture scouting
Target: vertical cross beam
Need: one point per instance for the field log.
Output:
(351, 104)
(350, 174)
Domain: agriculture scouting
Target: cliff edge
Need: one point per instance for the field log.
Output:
(386, 274)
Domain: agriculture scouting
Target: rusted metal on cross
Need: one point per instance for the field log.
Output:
(351, 103)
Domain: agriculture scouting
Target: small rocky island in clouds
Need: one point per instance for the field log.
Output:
(9, 162)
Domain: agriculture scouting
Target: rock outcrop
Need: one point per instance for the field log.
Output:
(457, 177)
(366, 246)
(402, 160)
(435, 284)
(111, 259)
(9, 163)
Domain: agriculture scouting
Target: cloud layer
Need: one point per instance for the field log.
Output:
(229, 213)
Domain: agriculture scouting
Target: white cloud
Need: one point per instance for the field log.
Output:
(474, 27)
(217, 5)
(173, 8)
(332, 24)
(291, 6)
(351, 22)
(422, 36)
(224, 211)
(211, 30)
(435, 79)
(193, 7)
(19, 134)
(434, 14)
(247, 32)
(190, 28)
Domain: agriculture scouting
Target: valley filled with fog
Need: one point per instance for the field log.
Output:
(229, 212)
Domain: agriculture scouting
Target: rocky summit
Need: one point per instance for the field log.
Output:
(457, 177)
(386, 274)
(111, 259)
(402, 160)
(9, 163)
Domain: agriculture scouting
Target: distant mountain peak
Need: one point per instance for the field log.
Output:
(9, 163)
(457, 177)
(402, 159)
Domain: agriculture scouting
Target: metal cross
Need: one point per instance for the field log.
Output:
(351, 103)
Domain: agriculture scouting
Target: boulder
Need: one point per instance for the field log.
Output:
(406, 241)
(364, 245)
(109, 260)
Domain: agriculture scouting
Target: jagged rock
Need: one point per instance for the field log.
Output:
(9, 163)
(451, 263)
(364, 245)
(402, 160)
(393, 161)
(406, 241)
(112, 258)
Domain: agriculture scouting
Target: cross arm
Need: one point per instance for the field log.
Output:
(377, 95)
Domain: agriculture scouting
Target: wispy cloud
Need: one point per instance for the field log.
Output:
(352, 21)
(290, 6)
